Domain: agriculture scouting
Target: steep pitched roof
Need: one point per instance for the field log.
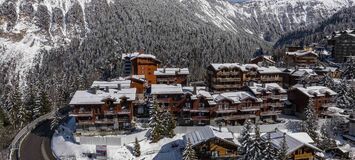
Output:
(311, 91)
(206, 133)
(267, 87)
(293, 142)
(235, 97)
(301, 53)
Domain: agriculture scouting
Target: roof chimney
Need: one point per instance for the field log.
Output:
(106, 89)
(194, 90)
(141, 51)
(118, 86)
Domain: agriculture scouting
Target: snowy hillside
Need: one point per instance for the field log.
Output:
(27, 27)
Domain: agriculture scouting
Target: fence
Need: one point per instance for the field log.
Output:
(16, 142)
(114, 140)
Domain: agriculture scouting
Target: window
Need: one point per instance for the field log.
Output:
(215, 154)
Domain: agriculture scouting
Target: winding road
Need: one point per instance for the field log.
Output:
(37, 144)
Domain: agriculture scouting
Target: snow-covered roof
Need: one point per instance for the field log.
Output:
(326, 69)
(112, 84)
(293, 141)
(137, 77)
(316, 90)
(219, 66)
(303, 71)
(146, 56)
(171, 71)
(166, 89)
(129, 55)
(267, 87)
(246, 67)
(86, 97)
(205, 133)
(300, 53)
(268, 58)
(200, 91)
(234, 97)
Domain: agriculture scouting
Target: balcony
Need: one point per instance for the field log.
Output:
(82, 114)
(125, 111)
(239, 117)
(226, 80)
(85, 122)
(251, 108)
(269, 113)
(226, 111)
(105, 121)
(204, 110)
(228, 73)
(200, 118)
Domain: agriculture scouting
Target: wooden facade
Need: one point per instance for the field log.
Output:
(145, 65)
(172, 76)
(216, 148)
(301, 58)
(343, 45)
(224, 78)
(232, 77)
(109, 117)
(300, 100)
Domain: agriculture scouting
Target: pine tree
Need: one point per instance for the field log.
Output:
(345, 96)
(269, 151)
(282, 152)
(310, 124)
(137, 148)
(18, 114)
(55, 121)
(256, 146)
(189, 152)
(44, 103)
(30, 102)
(326, 141)
(156, 123)
(246, 141)
(168, 124)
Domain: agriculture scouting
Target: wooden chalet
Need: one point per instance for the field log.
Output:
(172, 76)
(145, 64)
(299, 145)
(196, 108)
(263, 61)
(343, 44)
(108, 111)
(322, 97)
(224, 77)
(301, 58)
(234, 108)
(273, 97)
(212, 143)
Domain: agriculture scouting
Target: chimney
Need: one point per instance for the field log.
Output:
(118, 86)
(263, 85)
(106, 89)
(194, 90)
(92, 90)
(141, 51)
(164, 69)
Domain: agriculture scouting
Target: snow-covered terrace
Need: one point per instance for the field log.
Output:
(166, 89)
(171, 71)
(86, 97)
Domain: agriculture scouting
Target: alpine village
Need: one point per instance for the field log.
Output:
(291, 104)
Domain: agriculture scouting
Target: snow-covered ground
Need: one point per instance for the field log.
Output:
(65, 147)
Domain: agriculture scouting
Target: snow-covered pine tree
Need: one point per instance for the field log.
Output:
(55, 121)
(328, 81)
(137, 148)
(246, 141)
(156, 123)
(326, 140)
(257, 145)
(282, 152)
(345, 96)
(348, 70)
(18, 114)
(168, 124)
(44, 103)
(269, 151)
(30, 104)
(189, 152)
(310, 124)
